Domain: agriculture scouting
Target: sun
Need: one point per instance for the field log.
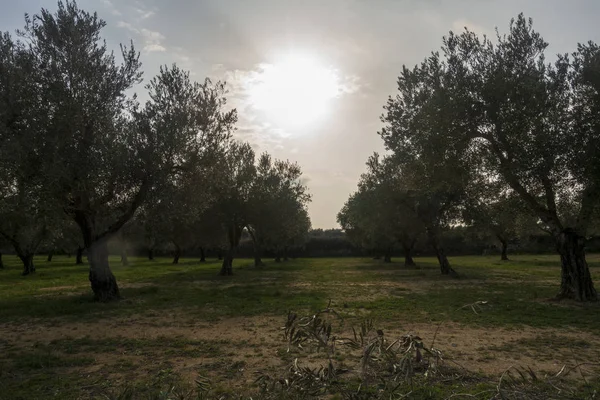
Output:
(295, 92)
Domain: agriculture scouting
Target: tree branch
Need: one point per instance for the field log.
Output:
(137, 201)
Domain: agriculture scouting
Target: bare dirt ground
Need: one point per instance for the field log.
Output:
(248, 346)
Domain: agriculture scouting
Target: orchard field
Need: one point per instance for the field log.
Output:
(183, 332)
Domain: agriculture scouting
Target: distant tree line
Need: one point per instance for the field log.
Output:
(487, 134)
(458, 241)
(83, 162)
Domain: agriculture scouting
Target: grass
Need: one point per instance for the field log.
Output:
(159, 336)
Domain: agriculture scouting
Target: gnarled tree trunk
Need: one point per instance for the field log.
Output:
(28, 267)
(387, 257)
(79, 257)
(445, 267)
(504, 254)
(227, 266)
(202, 255)
(104, 284)
(257, 249)
(234, 234)
(576, 281)
(26, 257)
(176, 254)
(408, 249)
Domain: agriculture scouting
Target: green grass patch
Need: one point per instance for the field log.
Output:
(516, 294)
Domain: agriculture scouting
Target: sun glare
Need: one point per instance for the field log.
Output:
(296, 92)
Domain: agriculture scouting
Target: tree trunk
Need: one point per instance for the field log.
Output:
(257, 250)
(227, 266)
(443, 261)
(408, 260)
(234, 234)
(1, 263)
(104, 284)
(202, 255)
(79, 258)
(28, 267)
(176, 254)
(50, 254)
(124, 259)
(26, 257)
(277, 258)
(150, 254)
(445, 267)
(387, 256)
(576, 281)
(285, 254)
(504, 256)
(219, 255)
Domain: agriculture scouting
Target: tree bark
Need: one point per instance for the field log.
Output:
(443, 261)
(234, 234)
(408, 249)
(28, 267)
(79, 258)
(227, 266)
(150, 254)
(50, 254)
(504, 255)
(576, 281)
(387, 256)
(124, 259)
(176, 254)
(202, 255)
(445, 267)
(104, 284)
(257, 249)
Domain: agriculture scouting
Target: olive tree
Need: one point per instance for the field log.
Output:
(535, 126)
(104, 154)
(236, 173)
(382, 214)
(24, 209)
(276, 198)
(418, 131)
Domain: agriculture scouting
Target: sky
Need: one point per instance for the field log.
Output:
(310, 78)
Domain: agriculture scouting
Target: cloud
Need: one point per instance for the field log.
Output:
(111, 7)
(128, 26)
(152, 39)
(460, 25)
(149, 48)
(144, 14)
